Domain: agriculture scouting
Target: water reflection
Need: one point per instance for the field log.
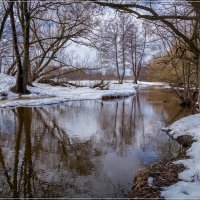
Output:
(84, 148)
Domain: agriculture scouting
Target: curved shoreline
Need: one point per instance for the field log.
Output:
(164, 173)
(158, 177)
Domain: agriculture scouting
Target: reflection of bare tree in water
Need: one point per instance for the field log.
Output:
(140, 118)
(24, 174)
(38, 137)
(128, 121)
(180, 112)
(27, 166)
(76, 154)
(136, 120)
(115, 125)
(166, 103)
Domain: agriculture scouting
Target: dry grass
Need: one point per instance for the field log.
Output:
(164, 174)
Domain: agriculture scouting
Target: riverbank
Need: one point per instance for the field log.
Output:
(44, 94)
(178, 177)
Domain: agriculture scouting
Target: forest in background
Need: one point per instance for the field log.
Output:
(149, 40)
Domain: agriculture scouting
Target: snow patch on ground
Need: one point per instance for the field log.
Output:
(6, 82)
(189, 186)
(152, 83)
(150, 181)
(43, 94)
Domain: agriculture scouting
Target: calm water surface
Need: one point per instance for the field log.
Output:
(84, 148)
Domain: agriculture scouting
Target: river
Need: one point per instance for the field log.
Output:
(87, 148)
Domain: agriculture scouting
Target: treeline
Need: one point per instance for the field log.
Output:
(175, 28)
(34, 36)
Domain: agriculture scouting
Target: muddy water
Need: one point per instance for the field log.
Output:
(84, 148)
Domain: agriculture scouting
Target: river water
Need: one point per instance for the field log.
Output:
(85, 148)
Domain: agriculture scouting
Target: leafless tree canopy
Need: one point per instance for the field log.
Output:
(34, 36)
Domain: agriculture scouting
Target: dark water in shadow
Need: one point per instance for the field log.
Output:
(84, 148)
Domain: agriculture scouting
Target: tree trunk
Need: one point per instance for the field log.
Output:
(196, 5)
(198, 63)
(135, 80)
(26, 33)
(116, 59)
(20, 76)
(3, 22)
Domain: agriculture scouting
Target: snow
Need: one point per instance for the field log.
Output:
(43, 94)
(150, 181)
(152, 83)
(189, 184)
(53, 95)
(6, 82)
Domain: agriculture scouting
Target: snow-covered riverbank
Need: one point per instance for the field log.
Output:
(189, 184)
(43, 94)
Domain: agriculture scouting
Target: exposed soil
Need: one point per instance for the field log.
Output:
(185, 140)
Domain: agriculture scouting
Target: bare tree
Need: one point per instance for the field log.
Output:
(114, 44)
(19, 88)
(53, 32)
(177, 61)
(137, 40)
(159, 14)
(123, 45)
(40, 32)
